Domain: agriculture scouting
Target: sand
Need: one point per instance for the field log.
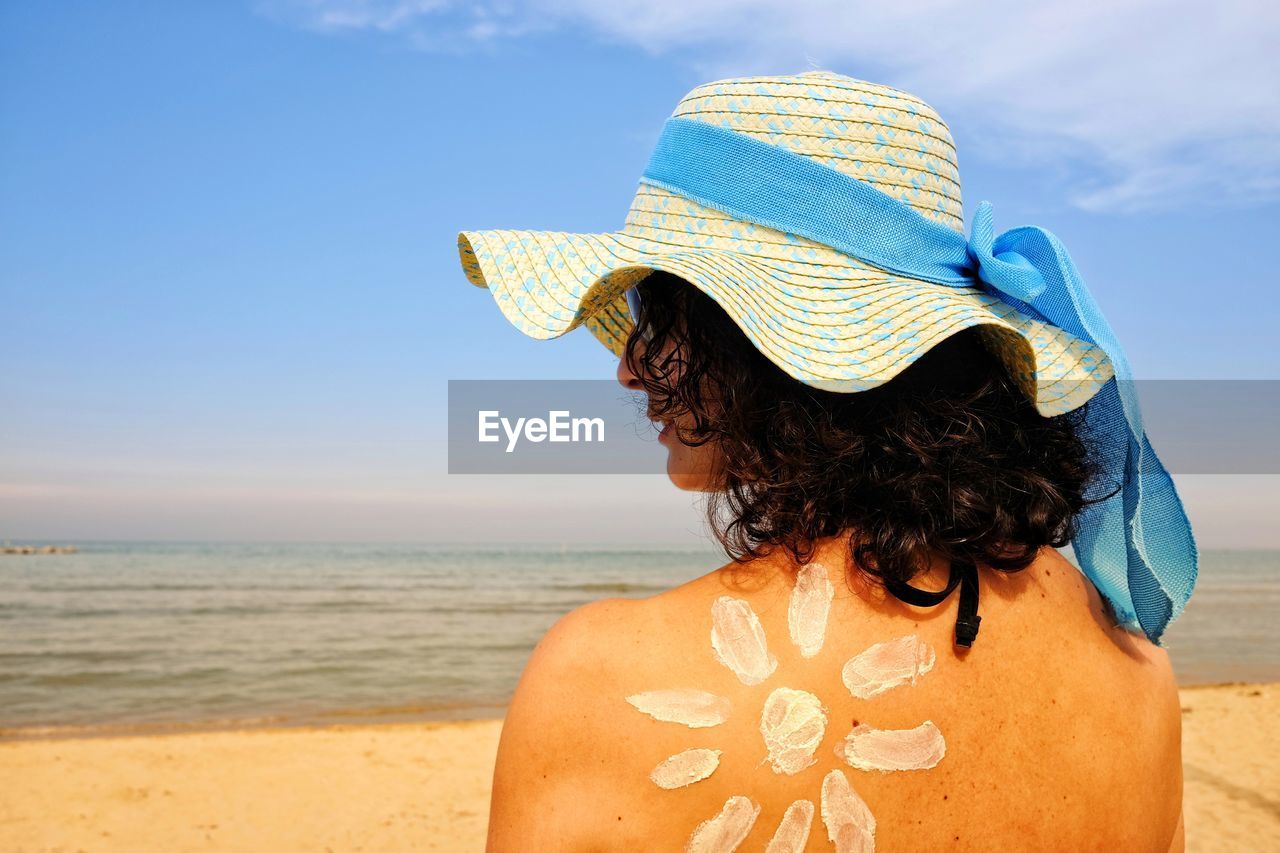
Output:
(425, 786)
(1231, 767)
(410, 786)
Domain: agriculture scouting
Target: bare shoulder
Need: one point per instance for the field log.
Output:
(569, 737)
(1116, 721)
(556, 740)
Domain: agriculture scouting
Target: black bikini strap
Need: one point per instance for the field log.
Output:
(968, 619)
(965, 575)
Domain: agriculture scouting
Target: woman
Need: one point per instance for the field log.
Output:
(896, 431)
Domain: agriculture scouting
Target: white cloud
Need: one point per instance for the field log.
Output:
(443, 26)
(384, 15)
(1156, 103)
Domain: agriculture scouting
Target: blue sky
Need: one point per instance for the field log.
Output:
(229, 290)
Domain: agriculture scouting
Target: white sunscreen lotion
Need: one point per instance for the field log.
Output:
(850, 824)
(793, 830)
(685, 768)
(792, 724)
(885, 666)
(810, 606)
(696, 709)
(737, 637)
(724, 832)
(893, 749)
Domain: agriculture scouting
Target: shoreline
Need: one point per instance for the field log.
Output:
(425, 784)
(315, 720)
(339, 718)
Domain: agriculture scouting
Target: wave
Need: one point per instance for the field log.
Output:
(609, 586)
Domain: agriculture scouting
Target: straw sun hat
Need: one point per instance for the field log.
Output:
(825, 317)
(823, 214)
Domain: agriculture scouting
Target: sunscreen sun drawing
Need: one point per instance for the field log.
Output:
(793, 724)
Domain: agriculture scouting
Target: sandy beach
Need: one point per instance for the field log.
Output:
(425, 786)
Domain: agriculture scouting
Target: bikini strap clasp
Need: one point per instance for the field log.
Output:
(962, 574)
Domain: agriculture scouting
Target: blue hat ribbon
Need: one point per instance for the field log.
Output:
(1135, 542)
(1000, 267)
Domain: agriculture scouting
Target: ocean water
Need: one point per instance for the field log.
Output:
(125, 634)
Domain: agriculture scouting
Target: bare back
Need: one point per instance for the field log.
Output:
(1058, 731)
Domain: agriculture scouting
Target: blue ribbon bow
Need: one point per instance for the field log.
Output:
(1134, 541)
(1000, 266)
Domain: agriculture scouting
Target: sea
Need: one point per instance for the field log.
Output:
(135, 635)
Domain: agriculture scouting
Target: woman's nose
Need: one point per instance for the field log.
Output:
(626, 378)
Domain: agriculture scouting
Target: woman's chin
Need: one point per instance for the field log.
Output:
(684, 475)
(686, 482)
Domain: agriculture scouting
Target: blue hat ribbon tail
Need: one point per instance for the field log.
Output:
(1136, 541)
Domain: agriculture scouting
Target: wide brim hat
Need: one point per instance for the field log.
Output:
(827, 318)
(823, 214)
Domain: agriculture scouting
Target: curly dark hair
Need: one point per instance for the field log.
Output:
(949, 458)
